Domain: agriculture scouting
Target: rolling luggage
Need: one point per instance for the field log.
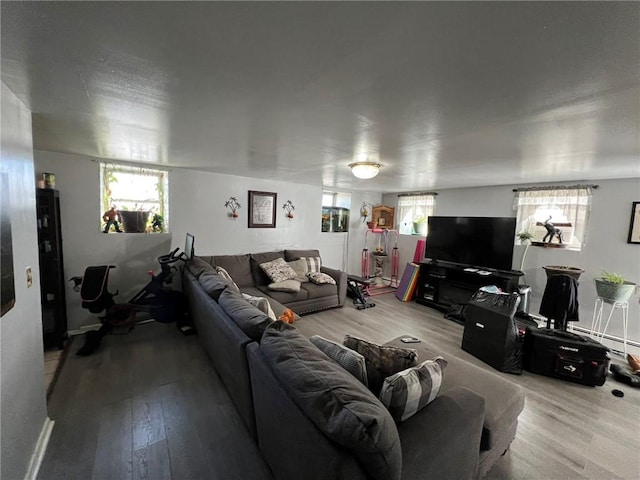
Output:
(565, 355)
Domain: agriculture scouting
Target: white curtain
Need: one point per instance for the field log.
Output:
(412, 208)
(566, 207)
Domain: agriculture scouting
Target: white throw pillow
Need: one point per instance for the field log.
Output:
(300, 267)
(313, 263)
(224, 274)
(320, 278)
(262, 304)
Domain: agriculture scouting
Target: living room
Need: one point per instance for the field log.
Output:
(38, 136)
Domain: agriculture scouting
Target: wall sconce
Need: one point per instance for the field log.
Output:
(365, 210)
(233, 205)
(365, 170)
(289, 208)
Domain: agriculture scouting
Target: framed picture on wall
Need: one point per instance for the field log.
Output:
(634, 226)
(262, 209)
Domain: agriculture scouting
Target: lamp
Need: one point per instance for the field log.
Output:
(365, 170)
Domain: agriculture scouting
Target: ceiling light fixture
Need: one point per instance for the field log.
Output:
(365, 170)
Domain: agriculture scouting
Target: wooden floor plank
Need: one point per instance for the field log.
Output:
(114, 452)
(182, 424)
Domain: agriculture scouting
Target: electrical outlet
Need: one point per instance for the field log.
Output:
(29, 277)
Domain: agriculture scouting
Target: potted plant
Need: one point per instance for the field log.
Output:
(612, 287)
(233, 205)
(574, 272)
(134, 221)
(525, 239)
(289, 208)
(420, 225)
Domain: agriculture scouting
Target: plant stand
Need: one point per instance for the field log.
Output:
(596, 322)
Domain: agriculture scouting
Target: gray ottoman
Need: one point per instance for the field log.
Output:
(504, 400)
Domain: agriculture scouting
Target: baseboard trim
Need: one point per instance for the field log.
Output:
(84, 329)
(41, 448)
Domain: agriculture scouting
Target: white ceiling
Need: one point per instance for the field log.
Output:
(444, 95)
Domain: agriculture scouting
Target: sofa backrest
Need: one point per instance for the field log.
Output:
(291, 444)
(238, 268)
(258, 275)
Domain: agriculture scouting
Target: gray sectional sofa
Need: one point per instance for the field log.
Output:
(334, 427)
(246, 273)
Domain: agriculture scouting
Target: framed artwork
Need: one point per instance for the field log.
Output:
(634, 226)
(262, 209)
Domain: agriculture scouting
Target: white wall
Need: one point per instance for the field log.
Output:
(196, 206)
(606, 245)
(22, 394)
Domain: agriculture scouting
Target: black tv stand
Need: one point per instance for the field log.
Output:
(442, 284)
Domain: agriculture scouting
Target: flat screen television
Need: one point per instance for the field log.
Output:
(474, 241)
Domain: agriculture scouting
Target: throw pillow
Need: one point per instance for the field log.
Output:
(337, 404)
(300, 267)
(224, 274)
(348, 359)
(313, 263)
(262, 304)
(278, 270)
(286, 286)
(407, 392)
(320, 278)
(382, 360)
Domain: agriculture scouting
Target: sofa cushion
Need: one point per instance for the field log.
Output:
(237, 266)
(278, 270)
(407, 392)
(348, 359)
(213, 284)
(382, 361)
(319, 291)
(320, 278)
(292, 286)
(286, 298)
(340, 406)
(250, 320)
(259, 277)
(198, 265)
(504, 399)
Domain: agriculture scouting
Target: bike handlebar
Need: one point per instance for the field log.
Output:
(170, 257)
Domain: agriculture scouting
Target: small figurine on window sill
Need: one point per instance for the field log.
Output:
(157, 223)
(112, 217)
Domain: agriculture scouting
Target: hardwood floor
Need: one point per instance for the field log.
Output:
(149, 406)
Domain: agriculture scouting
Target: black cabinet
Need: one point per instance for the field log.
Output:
(441, 285)
(52, 283)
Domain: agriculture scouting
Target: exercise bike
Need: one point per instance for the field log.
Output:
(159, 302)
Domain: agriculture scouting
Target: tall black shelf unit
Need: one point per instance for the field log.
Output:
(52, 283)
(441, 284)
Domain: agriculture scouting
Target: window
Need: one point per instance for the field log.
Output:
(335, 211)
(415, 208)
(135, 189)
(567, 208)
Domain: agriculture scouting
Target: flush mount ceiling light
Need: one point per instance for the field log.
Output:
(365, 170)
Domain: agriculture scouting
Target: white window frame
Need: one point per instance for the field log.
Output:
(132, 196)
(565, 205)
(411, 207)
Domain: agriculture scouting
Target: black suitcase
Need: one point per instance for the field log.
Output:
(565, 355)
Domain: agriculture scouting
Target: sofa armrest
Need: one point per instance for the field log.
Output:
(341, 281)
(443, 439)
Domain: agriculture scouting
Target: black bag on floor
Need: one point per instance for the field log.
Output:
(566, 355)
(491, 331)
